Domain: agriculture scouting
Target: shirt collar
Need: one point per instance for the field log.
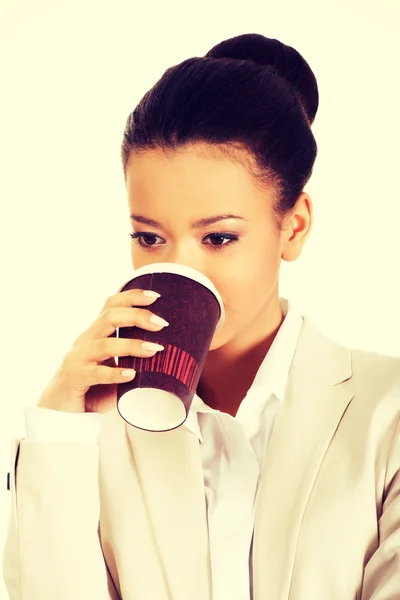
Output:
(272, 375)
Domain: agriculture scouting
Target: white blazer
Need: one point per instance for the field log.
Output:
(127, 518)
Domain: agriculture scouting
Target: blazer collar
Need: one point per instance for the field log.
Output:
(314, 405)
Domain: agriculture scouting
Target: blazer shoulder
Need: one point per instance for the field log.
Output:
(376, 375)
(378, 365)
(360, 370)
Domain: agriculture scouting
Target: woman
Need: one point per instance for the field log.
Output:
(284, 482)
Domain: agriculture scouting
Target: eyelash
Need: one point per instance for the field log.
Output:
(137, 238)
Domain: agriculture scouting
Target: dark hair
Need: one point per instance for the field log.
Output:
(252, 97)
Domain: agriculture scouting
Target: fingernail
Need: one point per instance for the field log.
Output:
(151, 346)
(158, 320)
(151, 294)
(128, 373)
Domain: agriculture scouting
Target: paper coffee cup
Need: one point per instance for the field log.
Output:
(160, 396)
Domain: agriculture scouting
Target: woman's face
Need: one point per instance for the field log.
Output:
(241, 256)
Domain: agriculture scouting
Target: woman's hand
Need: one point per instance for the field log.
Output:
(87, 378)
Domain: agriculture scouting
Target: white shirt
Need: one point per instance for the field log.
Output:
(233, 451)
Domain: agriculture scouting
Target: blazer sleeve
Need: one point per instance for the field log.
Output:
(382, 572)
(52, 547)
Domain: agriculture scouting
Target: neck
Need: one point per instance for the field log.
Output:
(229, 371)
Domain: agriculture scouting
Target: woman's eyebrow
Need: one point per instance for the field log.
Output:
(196, 225)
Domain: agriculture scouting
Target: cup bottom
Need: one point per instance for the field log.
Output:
(152, 409)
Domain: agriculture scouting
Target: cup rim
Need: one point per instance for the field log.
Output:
(177, 269)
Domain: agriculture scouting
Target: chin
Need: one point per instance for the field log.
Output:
(216, 342)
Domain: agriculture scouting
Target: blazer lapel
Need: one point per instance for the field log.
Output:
(313, 407)
(171, 474)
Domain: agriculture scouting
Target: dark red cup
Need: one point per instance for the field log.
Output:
(159, 397)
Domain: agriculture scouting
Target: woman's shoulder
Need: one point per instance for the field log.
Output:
(364, 369)
(375, 360)
(379, 371)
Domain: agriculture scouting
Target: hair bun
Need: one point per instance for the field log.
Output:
(286, 60)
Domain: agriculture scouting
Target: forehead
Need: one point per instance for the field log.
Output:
(192, 175)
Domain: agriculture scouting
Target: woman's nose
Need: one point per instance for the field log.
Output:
(184, 258)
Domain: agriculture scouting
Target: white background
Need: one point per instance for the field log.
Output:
(71, 72)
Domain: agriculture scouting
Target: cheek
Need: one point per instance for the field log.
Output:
(245, 279)
(245, 287)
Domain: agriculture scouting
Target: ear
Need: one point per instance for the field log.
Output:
(296, 228)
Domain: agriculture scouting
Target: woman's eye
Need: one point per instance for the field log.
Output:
(142, 239)
(138, 239)
(218, 236)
